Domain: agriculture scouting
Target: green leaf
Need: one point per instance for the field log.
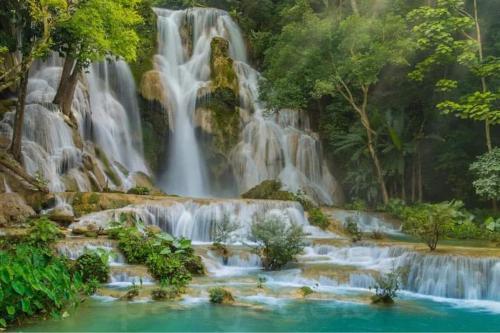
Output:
(3, 323)
(19, 287)
(11, 310)
(165, 251)
(26, 306)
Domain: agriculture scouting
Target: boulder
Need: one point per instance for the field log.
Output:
(14, 210)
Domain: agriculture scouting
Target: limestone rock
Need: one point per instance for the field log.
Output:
(153, 89)
(13, 209)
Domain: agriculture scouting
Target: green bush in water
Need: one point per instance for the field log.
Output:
(219, 295)
(387, 286)
(271, 190)
(306, 291)
(34, 281)
(165, 292)
(278, 242)
(139, 190)
(353, 229)
(318, 218)
(93, 266)
(169, 260)
(44, 232)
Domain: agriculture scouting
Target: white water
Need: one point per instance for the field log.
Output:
(367, 222)
(280, 146)
(106, 113)
(198, 221)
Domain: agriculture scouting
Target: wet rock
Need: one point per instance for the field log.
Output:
(62, 216)
(14, 210)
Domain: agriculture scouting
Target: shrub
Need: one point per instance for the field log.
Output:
(278, 242)
(169, 269)
(223, 229)
(352, 229)
(318, 218)
(132, 292)
(165, 292)
(271, 190)
(134, 245)
(306, 291)
(219, 295)
(93, 266)
(44, 232)
(386, 286)
(431, 222)
(139, 190)
(487, 175)
(395, 207)
(33, 281)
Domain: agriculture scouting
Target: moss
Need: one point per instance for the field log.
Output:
(306, 291)
(147, 41)
(108, 169)
(220, 296)
(318, 218)
(222, 66)
(155, 133)
(264, 190)
(85, 203)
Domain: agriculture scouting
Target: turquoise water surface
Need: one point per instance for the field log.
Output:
(407, 315)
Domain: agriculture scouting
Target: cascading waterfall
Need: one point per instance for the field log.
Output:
(198, 221)
(106, 112)
(115, 120)
(448, 276)
(279, 146)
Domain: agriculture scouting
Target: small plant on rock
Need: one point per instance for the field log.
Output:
(386, 286)
(306, 291)
(44, 232)
(352, 229)
(318, 218)
(93, 266)
(219, 295)
(278, 241)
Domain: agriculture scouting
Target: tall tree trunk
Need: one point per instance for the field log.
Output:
(378, 168)
(354, 6)
(483, 79)
(67, 85)
(17, 134)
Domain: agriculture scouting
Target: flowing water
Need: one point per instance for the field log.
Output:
(105, 107)
(276, 146)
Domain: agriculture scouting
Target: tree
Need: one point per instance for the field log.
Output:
(487, 176)
(431, 222)
(362, 48)
(449, 34)
(31, 24)
(278, 242)
(96, 29)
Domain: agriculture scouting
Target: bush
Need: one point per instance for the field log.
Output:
(223, 229)
(432, 222)
(44, 232)
(487, 175)
(306, 291)
(219, 295)
(170, 260)
(318, 218)
(33, 281)
(271, 190)
(386, 286)
(93, 266)
(139, 190)
(353, 229)
(165, 292)
(278, 242)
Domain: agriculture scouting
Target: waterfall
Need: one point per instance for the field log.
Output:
(449, 276)
(198, 221)
(106, 112)
(273, 146)
(115, 122)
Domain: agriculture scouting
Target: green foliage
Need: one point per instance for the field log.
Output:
(223, 229)
(432, 222)
(165, 293)
(170, 260)
(93, 266)
(318, 218)
(44, 232)
(386, 286)
(306, 291)
(278, 242)
(219, 295)
(139, 190)
(486, 170)
(98, 28)
(271, 190)
(352, 228)
(33, 281)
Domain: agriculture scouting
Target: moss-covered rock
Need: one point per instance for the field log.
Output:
(222, 66)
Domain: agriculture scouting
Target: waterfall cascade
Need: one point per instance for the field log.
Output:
(278, 146)
(107, 115)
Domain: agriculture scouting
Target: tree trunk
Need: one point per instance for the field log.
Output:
(374, 156)
(17, 135)
(354, 6)
(67, 86)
